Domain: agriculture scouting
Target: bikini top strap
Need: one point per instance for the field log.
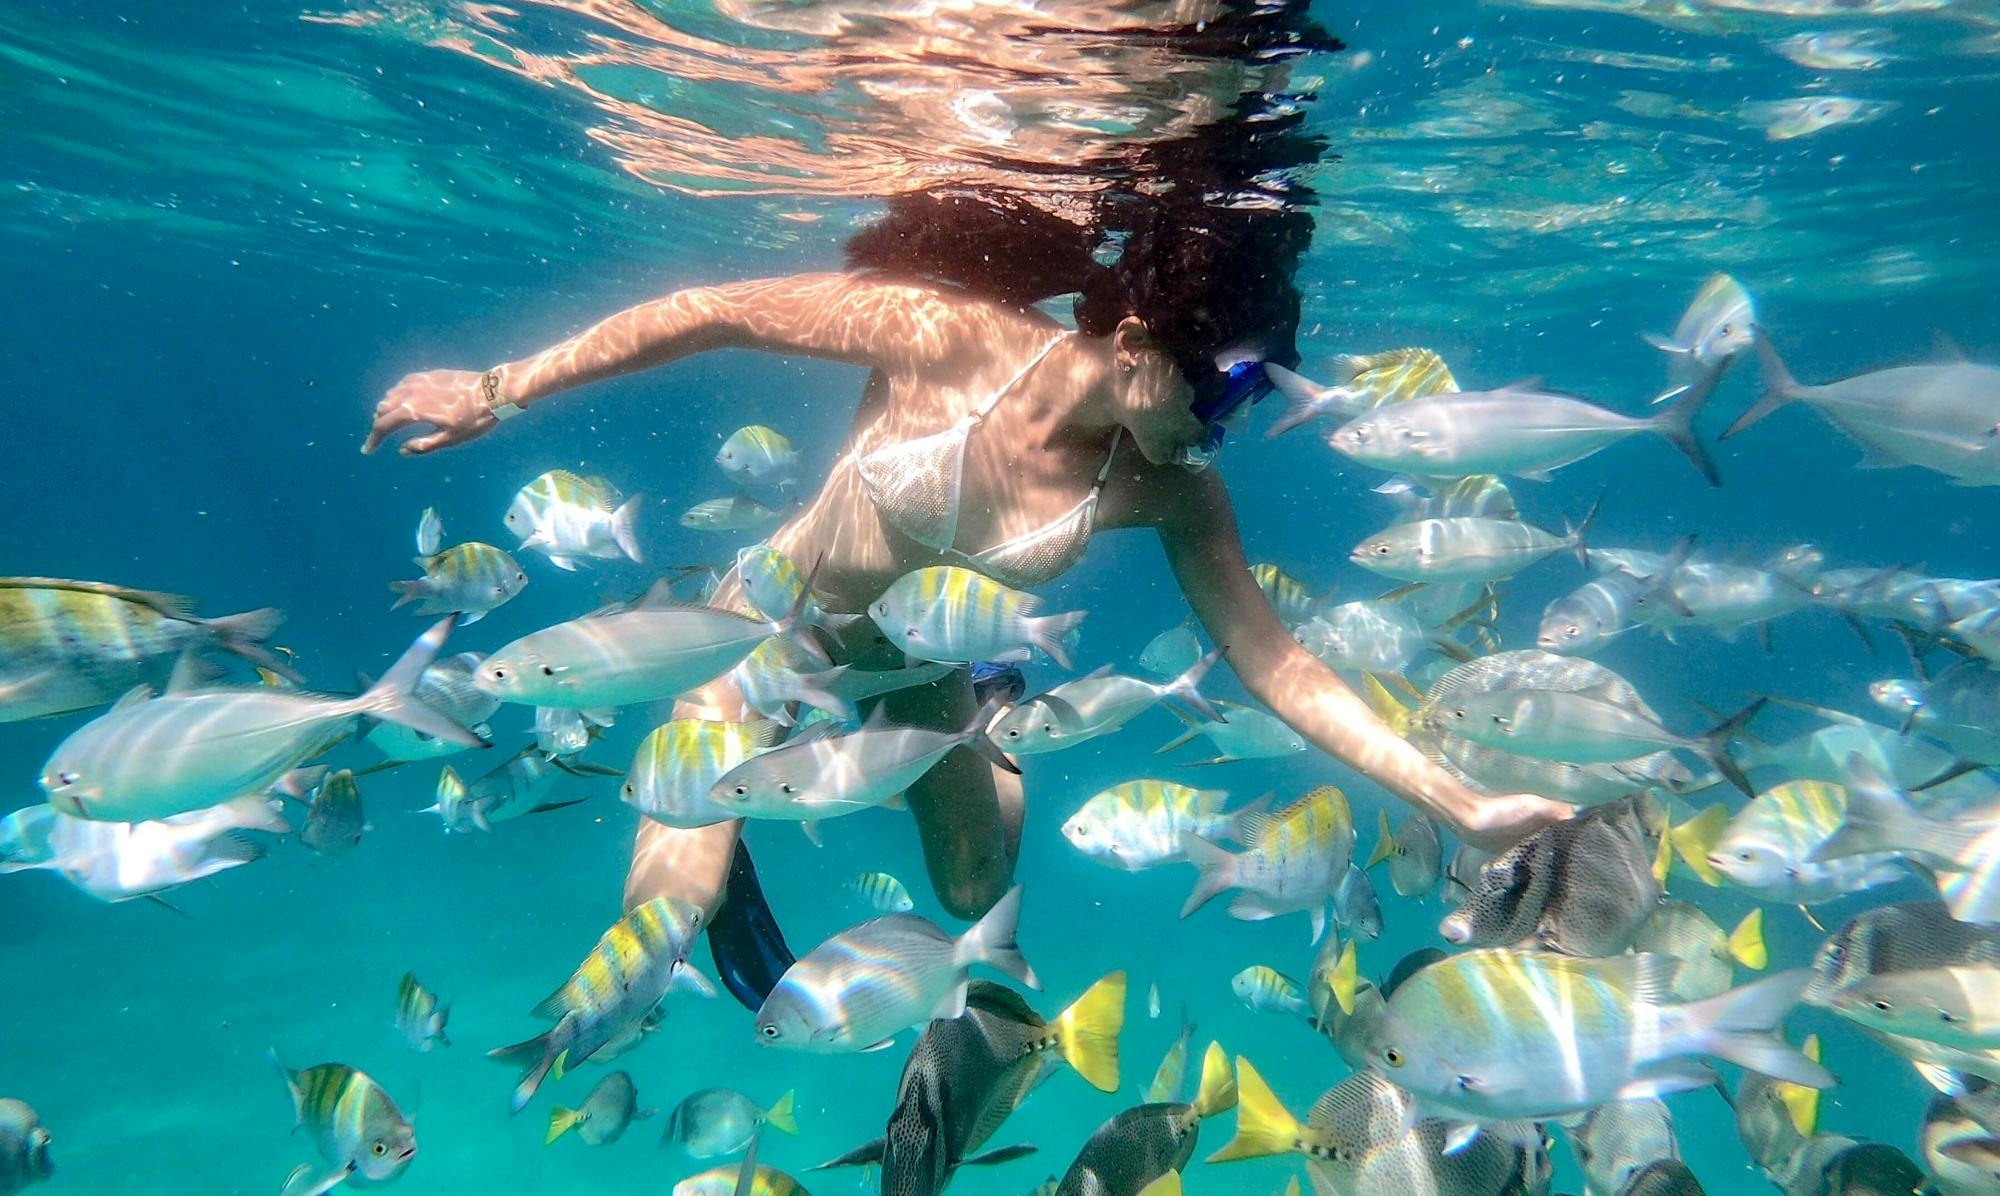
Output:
(993, 400)
(1104, 473)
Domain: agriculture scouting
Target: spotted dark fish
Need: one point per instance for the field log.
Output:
(1134, 1149)
(1580, 887)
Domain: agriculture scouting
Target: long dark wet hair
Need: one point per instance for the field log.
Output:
(1200, 236)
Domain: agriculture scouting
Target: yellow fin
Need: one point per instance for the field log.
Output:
(1696, 837)
(1386, 705)
(1087, 1032)
(1663, 860)
(1385, 846)
(561, 1065)
(1218, 1086)
(1800, 1102)
(1263, 1126)
(1292, 1186)
(779, 1116)
(1746, 942)
(1167, 1185)
(1345, 978)
(561, 1121)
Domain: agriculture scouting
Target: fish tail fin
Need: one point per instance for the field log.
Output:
(1087, 1032)
(781, 1116)
(1215, 871)
(1801, 1101)
(1741, 1026)
(408, 592)
(817, 690)
(1385, 842)
(1184, 688)
(1879, 817)
(538, 1058)
(625, 526)
(1694, 839)
(1676, 423)
(1746, 942)
(561, 1121)
(795, 627)
(1047, 632)
(1185, 737)
(393, 698)
(1715, 745)
(977, 738)
(1345, 978)
(244, 635)
(991, 940)
(1217, 1091)
(1779, 385)
(1305, 400)
(1263, 1125)
(1578, 534)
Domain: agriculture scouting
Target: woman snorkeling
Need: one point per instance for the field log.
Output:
(989, 436)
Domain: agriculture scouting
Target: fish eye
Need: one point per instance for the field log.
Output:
(1746, 856)
(1572, 631)
(520, 577)
(1881, 1004)
(1946, 1016)
(66, 778)
(768, 1031)
(499, 674)
(785, 787)
(1393, 1057)
(1381, 550)
(1468, 1083)
(629, 789)
(547, 671)
(742, 790)
(381, 1148)
(1013, 732)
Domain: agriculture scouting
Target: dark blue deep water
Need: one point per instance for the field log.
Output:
(227, 229)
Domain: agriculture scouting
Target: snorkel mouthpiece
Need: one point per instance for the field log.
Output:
(1233, 389)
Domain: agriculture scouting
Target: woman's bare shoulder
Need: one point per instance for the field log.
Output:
(929, 323)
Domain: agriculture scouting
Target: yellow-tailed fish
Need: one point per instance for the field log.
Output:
(1415, 854)
(361, 1136)
(718, 1121)
(1961, 847)
(1499, 1034)
(956, 616)
(1707, 952)
(570, 518)
(723, 1181)
(625, 975)
(71, 645)
(1296, 858)
(1142, 1146)
(603, 1116)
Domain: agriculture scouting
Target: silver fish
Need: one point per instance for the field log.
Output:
(1938, 417)
(1244, 733)
(1355, 905)
(1802, 116)
(420, 1019)
(1171, 653)
(1962, 1155)
(719, 1121)
(1519, 431)
(1713, 330)
(24, 1147)
(1470, 548)
(194, 747)
(734, 514)
(1414, 852)
(570, 519)
(1842, 50)
(861, 987)
(1686, 932)
(1959, 707)
(758, 456)
(1375, 637)
(118, 861)
(1616, 1141)
(1961, 847)
(447, 688)
(362, 1136)
(1078, 711)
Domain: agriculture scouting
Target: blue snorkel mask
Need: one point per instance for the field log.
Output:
(1221, 399)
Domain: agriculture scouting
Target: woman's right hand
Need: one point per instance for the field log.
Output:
(450, 402)
(1497, 823)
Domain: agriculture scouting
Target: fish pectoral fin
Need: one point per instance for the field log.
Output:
(1661, 1079)
(1005, 1154)
(883, 1045)
(1459, 1136)
(308, 1180)
(687, 976)
(953, 1003)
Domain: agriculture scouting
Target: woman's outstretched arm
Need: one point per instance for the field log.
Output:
(862, 319)
(1198, 529)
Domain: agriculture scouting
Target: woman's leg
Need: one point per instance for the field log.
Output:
(970, 826)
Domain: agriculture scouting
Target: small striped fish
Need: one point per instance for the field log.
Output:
(1167, 1078)
(882, 891)
(1288, 595)
(1362, 383)
(360, 1133)
(680, 760)
(419, 1017)
(70, 645)
(956, 616)
(1767, 848)
(758, 456)
(569, 518)
(1138, 824)
(1501, 1033)
(772, 582)
(1268, 990)
(608, 997)
(471, 578)
(721, 1181)
(1296, 859)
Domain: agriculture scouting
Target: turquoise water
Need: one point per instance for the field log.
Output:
(229, 231)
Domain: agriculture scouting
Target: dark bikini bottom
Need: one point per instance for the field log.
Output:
(744, 940)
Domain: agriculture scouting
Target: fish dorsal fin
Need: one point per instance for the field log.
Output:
(1255, 820)
(1648, 978)
(1531, 382)
(173, 606)
(827, 729)
(1097, 674)
(191, 672)
(552, 1007)
(133, 697)
(767, 735)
